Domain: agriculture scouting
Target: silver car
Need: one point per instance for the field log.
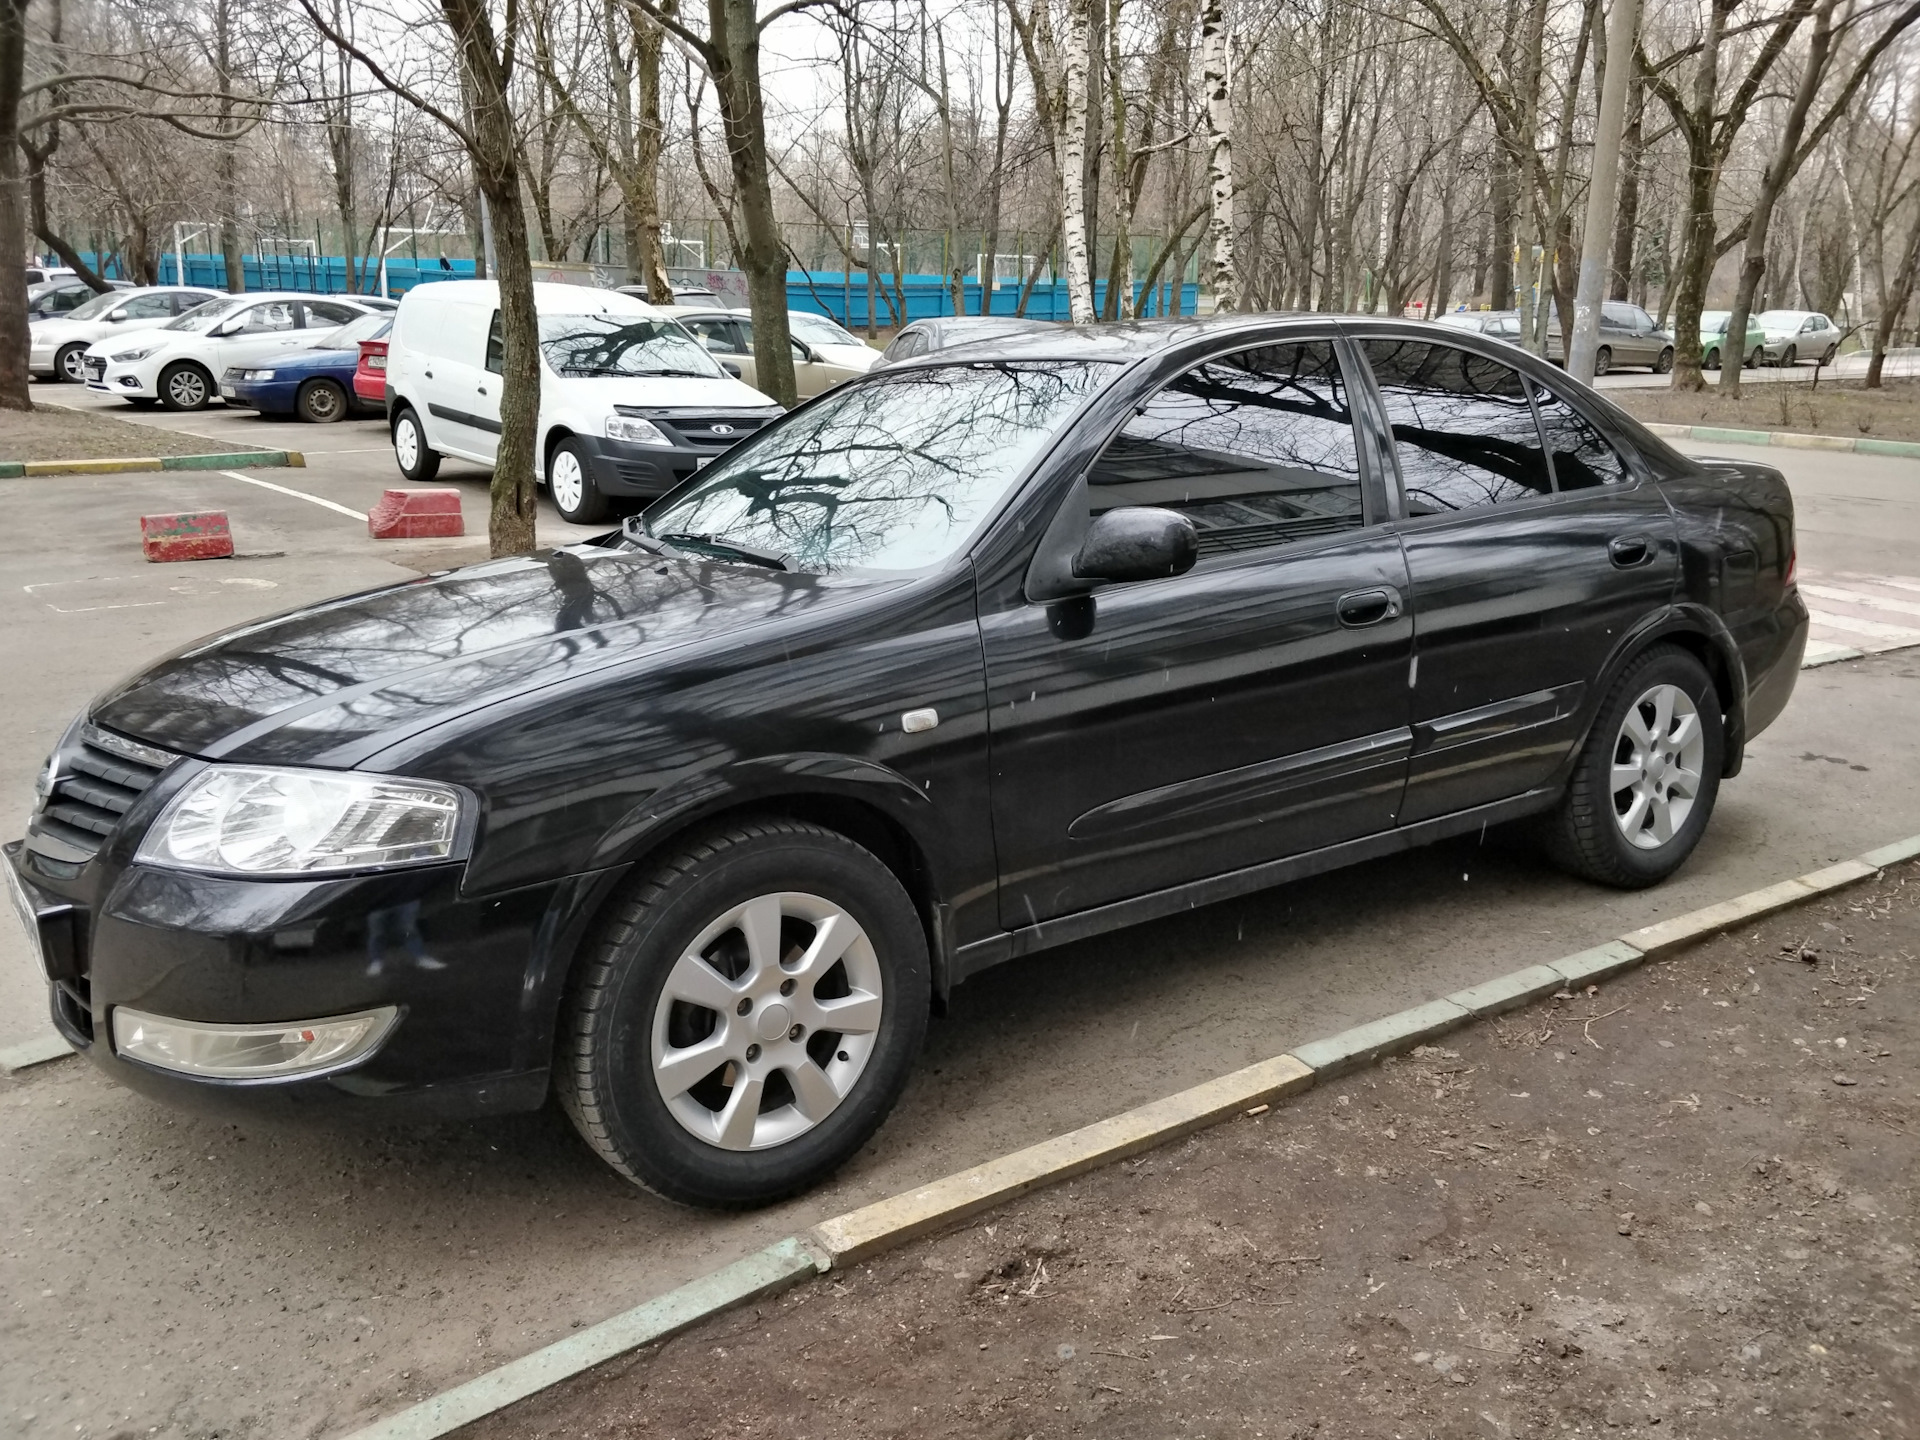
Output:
(1796, 335)
(1500, 324)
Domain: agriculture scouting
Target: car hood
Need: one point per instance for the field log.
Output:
(58, 332)
(336, 682)
(664, 392)
(849, 357)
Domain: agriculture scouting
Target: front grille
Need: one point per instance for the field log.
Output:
(96, 367)
(97, 776)
(703, 429)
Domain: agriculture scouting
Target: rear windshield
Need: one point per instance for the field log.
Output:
(890, 475)
(349, 335)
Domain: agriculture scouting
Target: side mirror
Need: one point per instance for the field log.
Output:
(229, 327)
(732, 369)
(802, 352)
(116, 316)
(1137, 542)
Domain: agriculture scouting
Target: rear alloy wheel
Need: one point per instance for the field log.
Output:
(748, 1016)
(410, 452)
(185, 387)
(322, 402)
(1664, 364)
(1827, 359)
(1644, 785)
(70, 365)
(570, 482)
(1790, 358)
(1602, 360)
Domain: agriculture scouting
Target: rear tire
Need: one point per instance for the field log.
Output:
(321, 402)
(1664, 364)
(1757, 358)
(570, 483)
(1602, 360)
(185, 387)
(410, 452)
(1710, 361)
(1643, 787)
(1832, 350)
(698, 1051)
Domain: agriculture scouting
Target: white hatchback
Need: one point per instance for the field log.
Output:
(55, 346)
(630, 403)
(180, 364)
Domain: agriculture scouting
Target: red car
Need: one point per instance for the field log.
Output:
(370, 375)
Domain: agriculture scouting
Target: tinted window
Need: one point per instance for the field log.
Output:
(496, 344)
(325, 315)
(1620, 317)
(1463, 431)
(186, 300)
(907, 344)
(1582, 457)
(146, 307)
(267, 319)
(1255, 448)
(719, 336)
(894, 474)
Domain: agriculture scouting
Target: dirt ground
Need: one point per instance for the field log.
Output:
(51, 433)
(1834, 407)
(1680, 1205)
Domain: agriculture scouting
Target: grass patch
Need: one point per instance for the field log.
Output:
(1834, 407)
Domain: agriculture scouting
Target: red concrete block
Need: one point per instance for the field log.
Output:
(186, 537)
(416, 515)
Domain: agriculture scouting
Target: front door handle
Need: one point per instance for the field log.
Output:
(427, 373)
(1359, 608)
(1627, 551)
(483, 389)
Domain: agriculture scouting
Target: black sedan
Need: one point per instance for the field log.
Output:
(695, 824)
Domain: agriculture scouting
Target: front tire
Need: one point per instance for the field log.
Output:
(410, 452)
(69, 365)
(321, 402)
(1789, 358)
(1602, 360)
(1758, 358)
(1709, 361)
(1664, 364)
(185, 387)
(1643, 787)
(748, 1015)
(570, 482)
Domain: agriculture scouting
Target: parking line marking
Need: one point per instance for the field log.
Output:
(297, 494)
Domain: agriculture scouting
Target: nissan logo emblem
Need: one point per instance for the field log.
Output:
(722, 429)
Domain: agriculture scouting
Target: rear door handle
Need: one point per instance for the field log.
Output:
(1359, 608)
(1626, 551)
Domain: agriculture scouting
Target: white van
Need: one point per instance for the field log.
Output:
(630, 403)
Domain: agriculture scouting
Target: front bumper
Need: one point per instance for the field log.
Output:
(112, 379)
(620, 467)
(267, 396)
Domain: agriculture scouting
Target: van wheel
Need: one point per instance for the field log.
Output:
(418, 463)
(1602, 360)
(1644, 785)
(185, 387)
(321, 401)
(570, 482)
(747, 1017)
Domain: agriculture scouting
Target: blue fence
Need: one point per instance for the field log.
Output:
(840, 296)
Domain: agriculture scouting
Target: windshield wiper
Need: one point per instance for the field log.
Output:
(634, 527)
(670, 370)
(728, 547)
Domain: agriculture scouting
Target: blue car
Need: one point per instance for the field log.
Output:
(315, 383)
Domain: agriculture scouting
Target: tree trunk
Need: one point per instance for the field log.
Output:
(1780, 168)
(649, 140)
(226, 164)
(1500, 260)
(1073, 164)
(1697, 224)
(13, 228)
(1215, 80)
(1584, 334)
(1627, 214)
(1895, 306)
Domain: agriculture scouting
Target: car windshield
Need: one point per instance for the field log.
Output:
(1780, 319)
(349, 335)
(203, 318)
(96, 307)
(1714, 322)
(817, 330)
(888, 476)
(621, 345)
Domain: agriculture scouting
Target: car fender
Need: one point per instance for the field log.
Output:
(1693, 623)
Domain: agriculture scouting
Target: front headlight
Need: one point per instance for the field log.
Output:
(642, 432)
(128, 357)
(251, 820)
(256, 374)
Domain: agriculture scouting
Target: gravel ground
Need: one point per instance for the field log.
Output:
(1682, 1204)
(1834, 407)
(51, 433)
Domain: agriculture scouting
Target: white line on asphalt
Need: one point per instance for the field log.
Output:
(1826, 619)
(297, 494)
(1860, 597)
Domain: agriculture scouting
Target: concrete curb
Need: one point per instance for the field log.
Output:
(233, 460)
(37, 1051)
(1857, 444)
(929, 1209)
(780, 1265)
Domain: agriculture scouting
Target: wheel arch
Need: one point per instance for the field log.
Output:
(1704, 635)
(556, 432)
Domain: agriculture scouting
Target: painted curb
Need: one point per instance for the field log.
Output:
(37, 1051)
(780, 1265)
(907, 1216)
(234, 460)
(1787, 439)
(913, 1214)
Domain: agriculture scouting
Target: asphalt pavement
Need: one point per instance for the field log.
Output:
(175, 1276)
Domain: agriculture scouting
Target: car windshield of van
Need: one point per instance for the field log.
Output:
(891, 475)
(585, 345)
(203, 318)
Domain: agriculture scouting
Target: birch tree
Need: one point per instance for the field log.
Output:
(1215, 61)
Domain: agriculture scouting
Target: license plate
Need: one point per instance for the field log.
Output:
(29, 914)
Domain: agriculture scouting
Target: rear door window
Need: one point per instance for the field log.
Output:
(1256, 448)
(1463, 428)
(269, 319)
(327, 315)
(149, 307)
(720, 336)
(1583, 458)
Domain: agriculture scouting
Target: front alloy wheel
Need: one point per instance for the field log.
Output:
(185, 387)
(748, 1016)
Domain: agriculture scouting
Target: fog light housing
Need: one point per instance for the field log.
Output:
(250, 1052)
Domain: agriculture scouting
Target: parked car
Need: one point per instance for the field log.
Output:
(54, 298)
(178, 363)
(630, 403)
(41, 274)
(696, 297)
(377, 302)
(823, 353)
(1500, 324)
(370, 371)
(1713, 340)
(1628, 336)
(923, 337)
(55, 346)
(973, 656)
(314, 383)
(1796, 335)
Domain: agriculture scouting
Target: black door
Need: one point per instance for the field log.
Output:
(1521, 590)
(1253, 708)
